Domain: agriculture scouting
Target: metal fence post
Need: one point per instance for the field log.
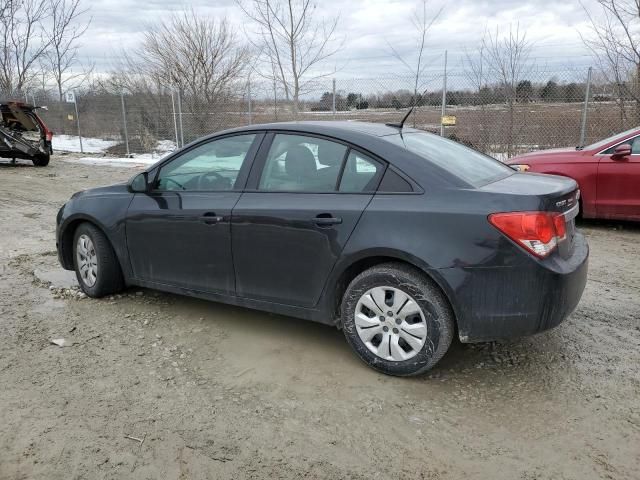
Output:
(444, 95)
(333, 104)
(180, 119)
(249, 98)
(124, 123)
(275, 99)
(75, 102)
(583, 127)
(175, 119)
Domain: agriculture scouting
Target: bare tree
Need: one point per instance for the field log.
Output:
(64, 32)
(23, 42)
(422, 22)
(615, 41)
(507, 59)
(475, 67)
(476, 72)
(197, 55)
(292, 42)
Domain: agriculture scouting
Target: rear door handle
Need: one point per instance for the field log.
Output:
(210, 218)
(325, 219)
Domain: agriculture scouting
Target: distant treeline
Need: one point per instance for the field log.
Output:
(525, 91)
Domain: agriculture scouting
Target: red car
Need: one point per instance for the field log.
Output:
(608, 173)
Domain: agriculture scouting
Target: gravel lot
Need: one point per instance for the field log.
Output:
(213, 391)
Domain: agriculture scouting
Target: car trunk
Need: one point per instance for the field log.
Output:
(547, 193)
(21, 134)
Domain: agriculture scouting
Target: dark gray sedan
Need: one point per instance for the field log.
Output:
(401, 238)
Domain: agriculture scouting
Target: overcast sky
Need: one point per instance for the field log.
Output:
(367, 27)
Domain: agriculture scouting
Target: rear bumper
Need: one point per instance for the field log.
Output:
(505, 302)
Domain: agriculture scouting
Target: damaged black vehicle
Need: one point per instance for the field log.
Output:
(23, 134)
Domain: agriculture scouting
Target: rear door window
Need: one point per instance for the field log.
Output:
(300, 163)
(360, 173)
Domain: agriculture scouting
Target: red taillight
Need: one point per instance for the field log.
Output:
(561, 226)
(48, 134)
(537, 232)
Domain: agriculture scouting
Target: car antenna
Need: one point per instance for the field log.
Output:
(404, 119)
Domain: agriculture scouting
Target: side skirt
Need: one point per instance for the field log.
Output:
(313, 315)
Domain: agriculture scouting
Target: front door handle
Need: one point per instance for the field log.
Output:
(210, 218)
(326, 219)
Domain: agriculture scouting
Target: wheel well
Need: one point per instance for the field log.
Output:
(360, 266)
(66, 241)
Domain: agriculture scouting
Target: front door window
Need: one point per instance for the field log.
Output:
(211, 166)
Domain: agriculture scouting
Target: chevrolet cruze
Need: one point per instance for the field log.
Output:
(401, 238)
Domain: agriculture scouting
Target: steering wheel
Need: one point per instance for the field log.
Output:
(169, 179)
(203, 180)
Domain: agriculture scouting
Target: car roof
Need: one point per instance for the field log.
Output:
(369, 137)
(328, 127)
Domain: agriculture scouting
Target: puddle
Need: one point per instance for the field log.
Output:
(57, 277)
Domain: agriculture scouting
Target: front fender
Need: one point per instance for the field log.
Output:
(108, 213)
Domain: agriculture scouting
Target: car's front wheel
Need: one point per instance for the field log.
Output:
(97, 267)
(396, 319)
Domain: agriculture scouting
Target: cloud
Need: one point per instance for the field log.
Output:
(368, 27)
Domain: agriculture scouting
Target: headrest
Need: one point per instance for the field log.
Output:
(330, 153)
(299, 162)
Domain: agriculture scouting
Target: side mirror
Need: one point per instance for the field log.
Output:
(139, 183)
(622, 151)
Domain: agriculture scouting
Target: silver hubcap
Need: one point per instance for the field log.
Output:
(390, 323)
(87, 260)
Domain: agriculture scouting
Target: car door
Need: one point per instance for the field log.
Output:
(179, 233)
(618, 184)
(307, 196)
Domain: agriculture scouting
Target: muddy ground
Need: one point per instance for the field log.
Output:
(212, 391)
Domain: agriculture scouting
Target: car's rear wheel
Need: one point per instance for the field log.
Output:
(396, 319)
(96, 265)
(41, 160)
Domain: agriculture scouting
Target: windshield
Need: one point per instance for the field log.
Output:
(606, 141)
(470, 165)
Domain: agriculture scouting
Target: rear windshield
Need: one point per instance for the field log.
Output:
(465, 163)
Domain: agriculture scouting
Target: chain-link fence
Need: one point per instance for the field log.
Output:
(544, 110)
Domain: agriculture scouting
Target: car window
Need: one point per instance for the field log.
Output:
(634, 142)
(360, 173)
(212, 166)
(606, 141)
(392, 182)
(463, 162)
(302, 163)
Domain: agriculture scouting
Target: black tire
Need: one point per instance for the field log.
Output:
(41, 160)
(109, 278)
(437, 312)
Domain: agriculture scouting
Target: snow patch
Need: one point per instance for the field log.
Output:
(71, 143)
